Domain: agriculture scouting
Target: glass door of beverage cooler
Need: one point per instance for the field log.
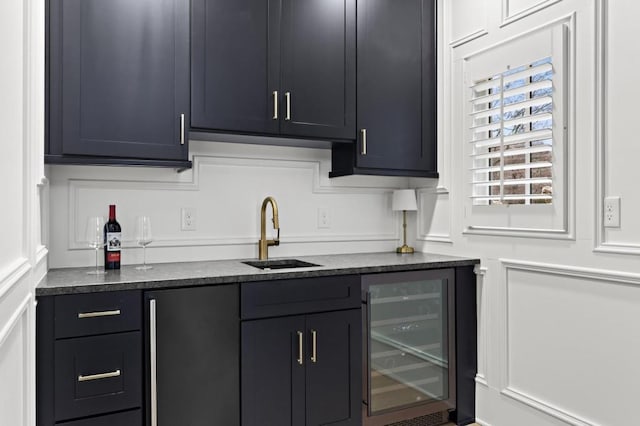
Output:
(409, 344)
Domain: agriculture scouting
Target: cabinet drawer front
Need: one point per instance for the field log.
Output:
(130, 418)
(97, 313)
(296, 296)
(95, 375)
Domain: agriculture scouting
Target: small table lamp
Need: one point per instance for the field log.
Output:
(404, 199)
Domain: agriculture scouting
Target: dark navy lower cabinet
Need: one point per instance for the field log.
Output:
(301, 369)
(267, 353)
(89, 360)
(166, 358)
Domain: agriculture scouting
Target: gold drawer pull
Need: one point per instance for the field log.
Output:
(99, 376)
(98, 314)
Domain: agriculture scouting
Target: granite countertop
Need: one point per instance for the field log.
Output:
(165, 275)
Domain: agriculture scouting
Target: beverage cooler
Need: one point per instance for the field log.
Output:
(408, 348)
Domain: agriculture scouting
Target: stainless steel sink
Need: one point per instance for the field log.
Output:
(279, 264)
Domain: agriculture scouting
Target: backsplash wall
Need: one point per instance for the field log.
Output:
(225, 187)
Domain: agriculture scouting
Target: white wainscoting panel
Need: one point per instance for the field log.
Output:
(21, 137)
(12, 275)
(514, 10)
(16, 358)
(470, 22)
(12, 82)
(226, 187)
(617, 173)
(566, 330)
(434, 223)
(483, 320)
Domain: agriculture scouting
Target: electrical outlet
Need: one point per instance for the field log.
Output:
(324, 218)
(188, 222)
(612, 212)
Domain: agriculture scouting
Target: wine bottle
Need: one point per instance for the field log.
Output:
(112, 238)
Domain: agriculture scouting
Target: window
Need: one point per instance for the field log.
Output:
(512, 136)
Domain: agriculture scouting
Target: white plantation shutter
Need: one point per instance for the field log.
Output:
(511, 136)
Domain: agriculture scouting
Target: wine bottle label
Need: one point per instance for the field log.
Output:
(113, 256)
(113, 241)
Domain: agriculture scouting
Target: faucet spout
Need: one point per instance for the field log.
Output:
(263, 244)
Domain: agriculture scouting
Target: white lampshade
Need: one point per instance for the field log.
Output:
(404, 199)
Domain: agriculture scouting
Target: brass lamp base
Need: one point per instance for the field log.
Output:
(405, 249)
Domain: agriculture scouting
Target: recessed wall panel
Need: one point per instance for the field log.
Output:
(620, 171)
(468, 20)
(565, 342)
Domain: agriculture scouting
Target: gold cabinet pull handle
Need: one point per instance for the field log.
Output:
(300, 353)
(100, 376)
(287, 96)
(314, 346)
(364, 141)
(275, 104)
(181, 129)
(82, 315)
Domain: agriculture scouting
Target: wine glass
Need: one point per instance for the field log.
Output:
(95, 239)
(143, 238)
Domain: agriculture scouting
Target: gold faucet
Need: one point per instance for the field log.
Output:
(263, 244)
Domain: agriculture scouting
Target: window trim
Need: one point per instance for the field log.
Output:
(547, 221)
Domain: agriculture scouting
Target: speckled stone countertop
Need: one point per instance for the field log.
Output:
(165, 275)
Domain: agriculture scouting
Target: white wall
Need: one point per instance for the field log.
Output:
(226, 187)
(558, 314)
(22, 255)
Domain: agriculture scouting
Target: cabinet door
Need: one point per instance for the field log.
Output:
(119, 78)
(396, 84)
(196, 354)
(334, 368)
(235, 65)
(273, 361)
(318, 68)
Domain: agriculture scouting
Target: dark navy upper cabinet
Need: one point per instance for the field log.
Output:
(396, 79)
(232, 80)
(118, 79)
(318, 68)
(278, 67)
